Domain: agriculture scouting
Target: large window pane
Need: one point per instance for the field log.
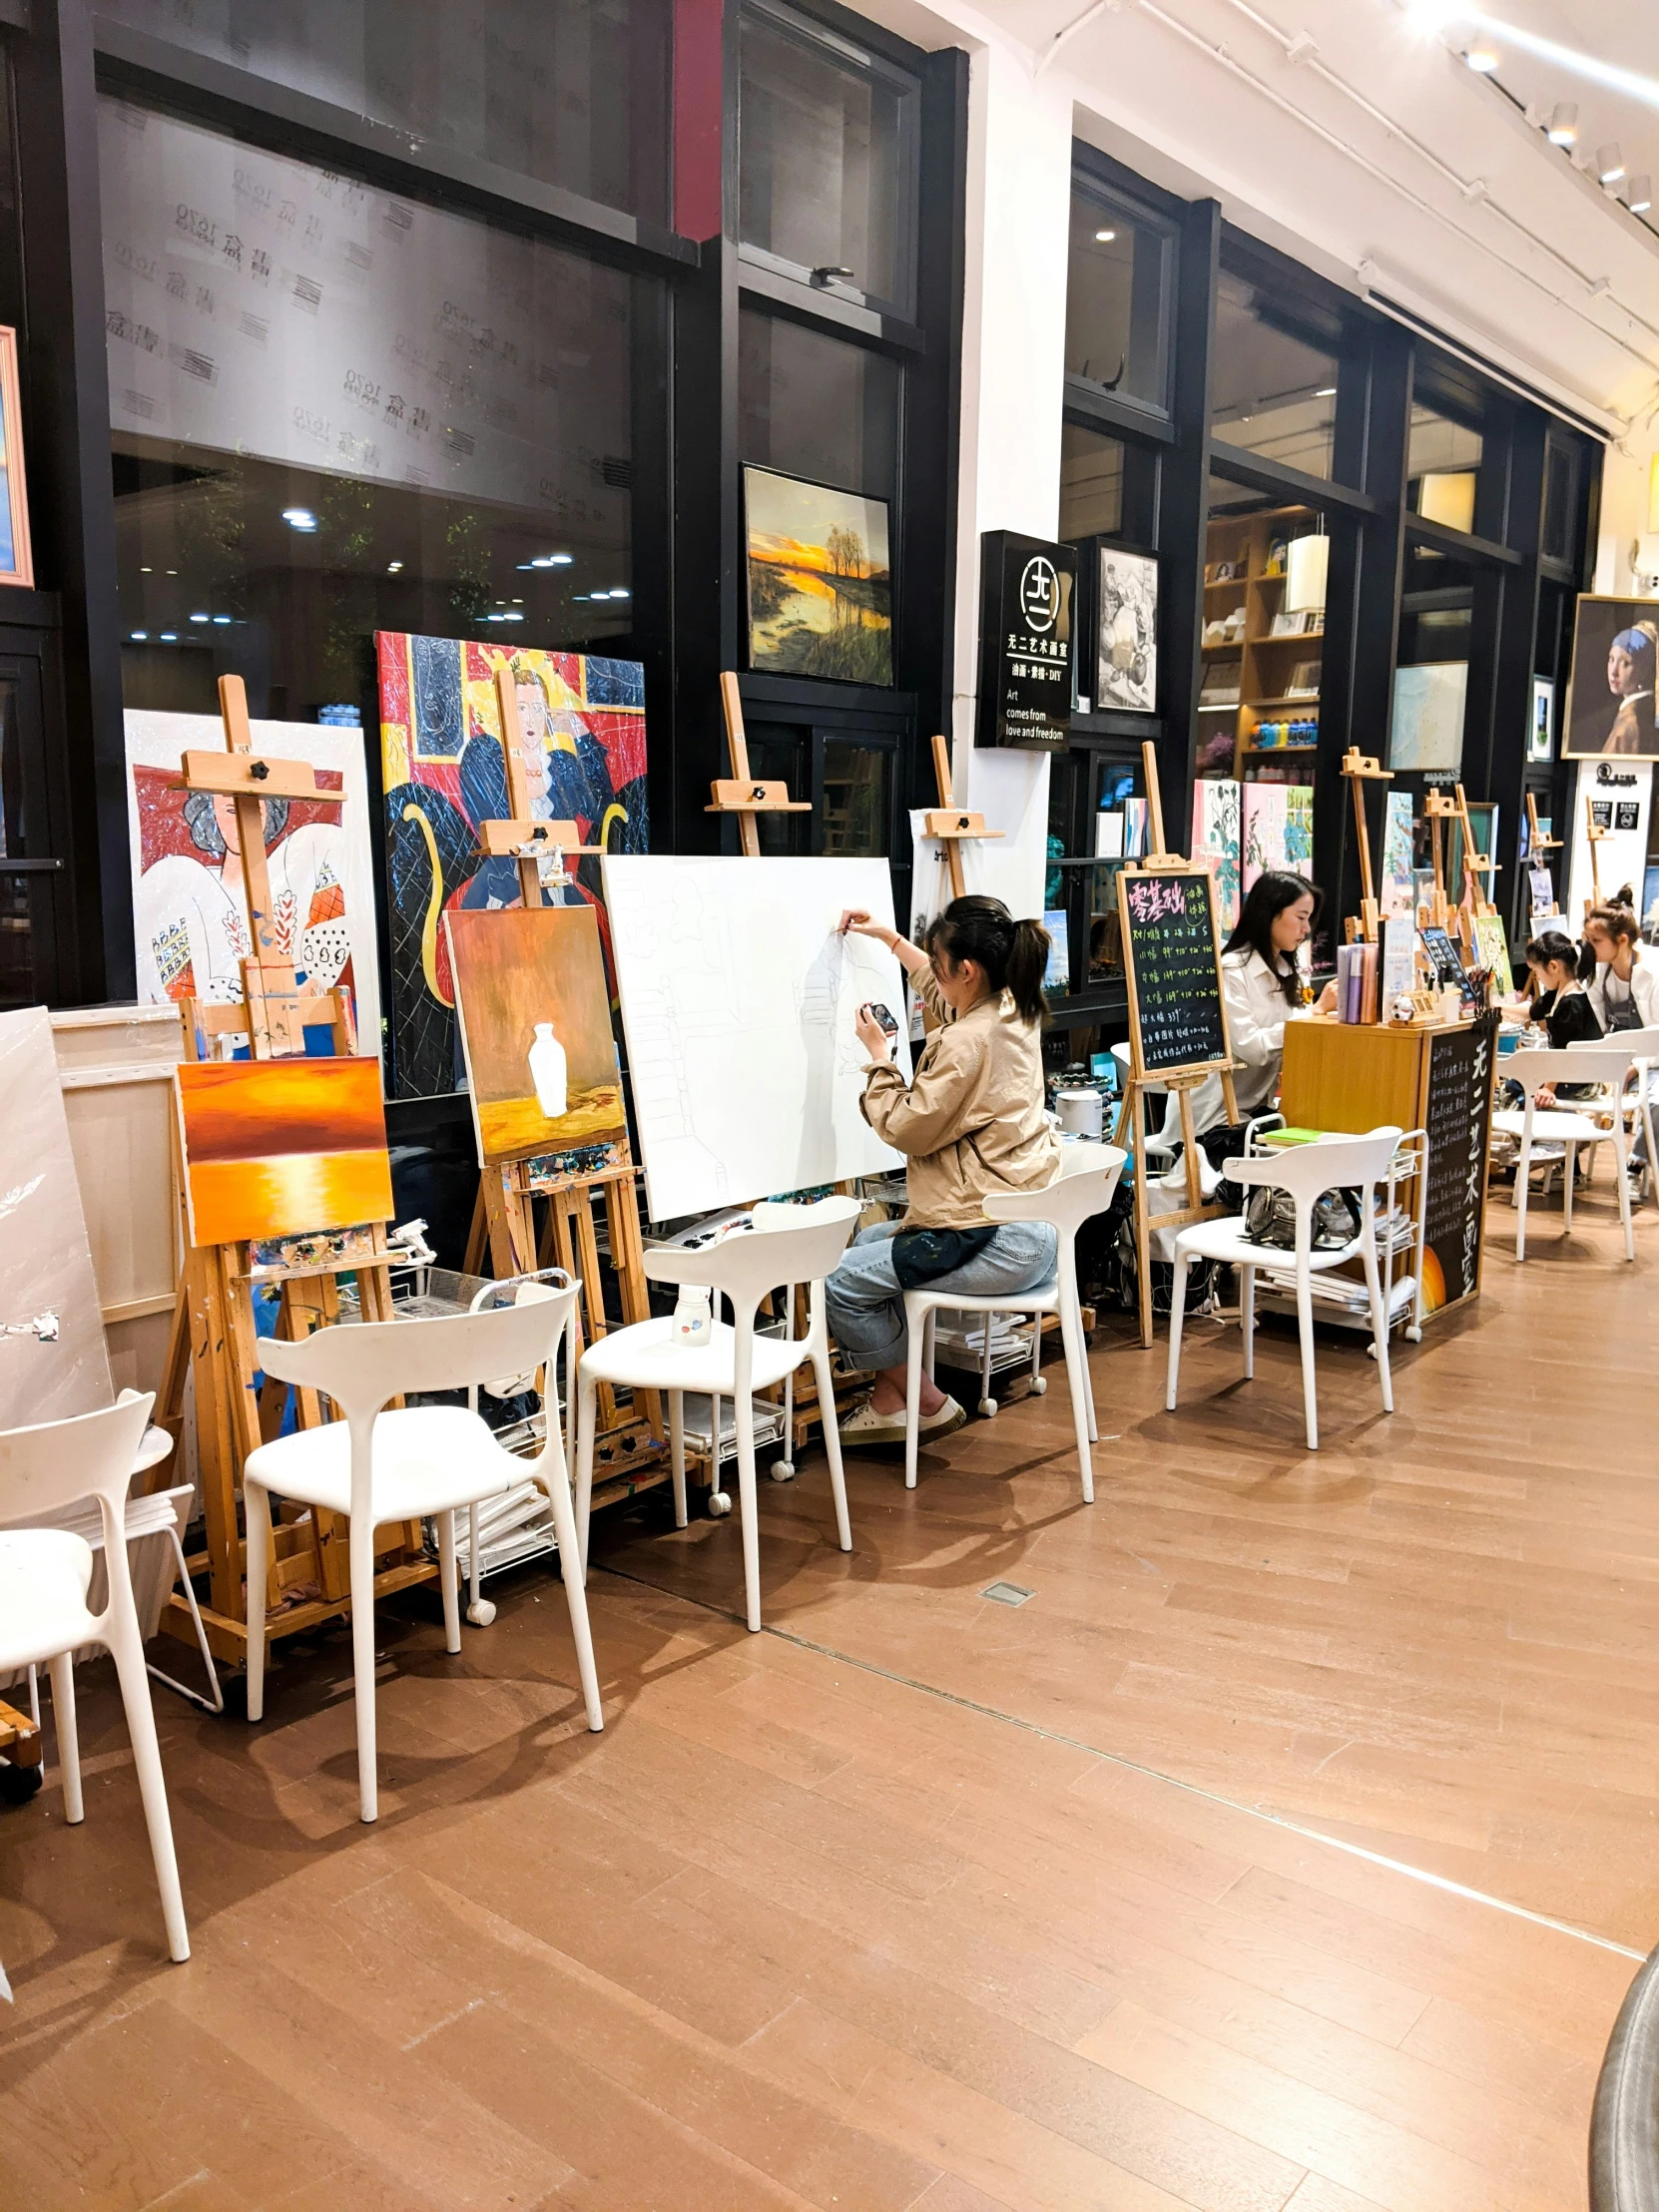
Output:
(569, 92)
(1117, 300)
(1274, 382)
(854, 797)
(828, 161)
(1092, 482)
(1443, 467)
(817, 406)
(1431, 674)
(335, 410)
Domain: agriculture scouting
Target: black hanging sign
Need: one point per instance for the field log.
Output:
(1027, 623)
(1456, 1111)
(1172, 959)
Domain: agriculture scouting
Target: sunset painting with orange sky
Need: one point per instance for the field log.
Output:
(820, 583)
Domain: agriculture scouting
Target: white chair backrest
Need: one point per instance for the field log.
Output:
(360, 1365)
(57, 1463)
(1641, 1044)
(1087, 1179)
(787, 1244)
(1596, 1060)
(1306, 1171)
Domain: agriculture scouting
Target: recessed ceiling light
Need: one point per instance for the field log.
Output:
(1563, 124)
(141, 637)
(1325, 392)
(1609, 164)
(1481, 60)
(222, 622)
(551, 560)
(170, 637)
(145, 571)
(1104, 238)
(393, 568)
(201, 618)
(1640, 195)
(296, 518)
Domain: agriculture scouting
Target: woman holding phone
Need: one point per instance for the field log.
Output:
(971, 1120)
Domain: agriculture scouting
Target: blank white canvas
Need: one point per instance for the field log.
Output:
(45, 1260)
(737, 1002)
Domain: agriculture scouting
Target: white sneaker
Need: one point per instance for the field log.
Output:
(864, 1427)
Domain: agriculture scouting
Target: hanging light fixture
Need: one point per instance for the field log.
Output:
(1306, 565)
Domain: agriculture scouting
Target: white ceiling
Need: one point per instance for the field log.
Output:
(1352, 134)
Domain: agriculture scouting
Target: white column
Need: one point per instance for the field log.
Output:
(1014, 373)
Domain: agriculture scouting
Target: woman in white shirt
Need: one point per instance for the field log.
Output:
(1263, 986)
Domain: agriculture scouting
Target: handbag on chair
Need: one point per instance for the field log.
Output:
(1270, 1219)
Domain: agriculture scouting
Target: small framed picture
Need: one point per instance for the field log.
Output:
(1540, 738)
(1127, 671)
(16, 561)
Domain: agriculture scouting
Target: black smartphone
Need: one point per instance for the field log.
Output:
(882, 1016)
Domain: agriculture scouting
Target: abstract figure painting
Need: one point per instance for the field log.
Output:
(279, 1148)
(1397, 886)
(1299, 829)
(1216, 842)
(535, 1020)
(190, 909)
(819, 580)
(1266, 823)
(583, 721)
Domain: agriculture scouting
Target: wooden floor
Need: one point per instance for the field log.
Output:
(916, 1899)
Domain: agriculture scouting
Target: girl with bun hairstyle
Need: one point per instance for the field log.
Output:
(971, 1120)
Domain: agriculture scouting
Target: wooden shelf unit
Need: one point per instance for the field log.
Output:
(1265, 662)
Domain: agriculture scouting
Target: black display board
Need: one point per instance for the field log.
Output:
(1027, 624)
(1457, 1114)
(1172, 958)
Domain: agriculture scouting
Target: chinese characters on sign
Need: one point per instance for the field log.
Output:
(1457, 1117)
(1173, 964)
(1027, 598)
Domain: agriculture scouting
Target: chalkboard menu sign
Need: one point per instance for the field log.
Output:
(1027, 623)
(1457, 1114)
(1172, 958)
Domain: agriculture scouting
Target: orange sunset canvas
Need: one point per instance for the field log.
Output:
(819, 580)
(281, 1148)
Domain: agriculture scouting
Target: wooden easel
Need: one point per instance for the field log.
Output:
(953, 826)
(1594, 833)
(628, 1442)
(1440, 809)
(214, 1334)
(1537, 840)
(739, 793)
(1359, 770)
(1181, 1081)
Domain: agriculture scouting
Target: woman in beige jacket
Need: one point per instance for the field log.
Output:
(971, 1120)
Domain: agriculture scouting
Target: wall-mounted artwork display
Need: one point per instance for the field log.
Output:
(16, 560)
(189, 910)
(583, 721)
(1266, 821)
(281, 1148)
(819, 580)
(1395, 887)
(1426, 728)
(1299, 829)
(535, 1019)
(1127, 675)
(1615, 647)
(1216, 842)
(1540, 735)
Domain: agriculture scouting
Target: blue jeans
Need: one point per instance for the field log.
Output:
(867, 1305)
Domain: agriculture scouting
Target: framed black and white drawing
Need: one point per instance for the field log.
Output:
(1127, 674)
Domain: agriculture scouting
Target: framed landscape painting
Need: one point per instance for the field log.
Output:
(819, 580)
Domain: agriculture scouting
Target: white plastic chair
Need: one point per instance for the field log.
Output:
(45, 1574)
(1084, 1187)
(1304, 1171)
(378, 1467)
(1568, 1125)
(788, 1244)
(1169, 1134)
(1643, 1048)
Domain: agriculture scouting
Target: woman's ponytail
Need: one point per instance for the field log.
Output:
(1013, 954)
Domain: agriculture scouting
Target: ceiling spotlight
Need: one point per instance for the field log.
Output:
(394, 568)
(1481, 60)
(299, 518)
(1563, 124)
(1639, 197)
(1325, 392)
(1104, 238)
(1609, 163)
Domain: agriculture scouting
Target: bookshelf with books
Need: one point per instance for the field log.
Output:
(1262, 643)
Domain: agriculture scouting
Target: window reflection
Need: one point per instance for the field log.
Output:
(1443, 468)
(1091, 483)
(816, 406)
(1273, 383)
(1117, 300)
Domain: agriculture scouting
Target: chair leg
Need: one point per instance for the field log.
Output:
(1077, 1378)
(987, 1403)
(587, 1422)
(912, 1396)
(932, 1325)
(748, 1507)
(576, 1596)
(1177, 1308)
(1379, 1330)
(127, 1650)
(256, 1505)
(450, 1584)
(69, 1736)
(1038, 1382)
(477, 1611)
(676, 1452)
(1523, 1190)
(1650, 1165)
(1247, 1319)
(1622, 1172)
(1305, 1329)
(362, 1663)
(1569, 1172)
(833, 1448)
